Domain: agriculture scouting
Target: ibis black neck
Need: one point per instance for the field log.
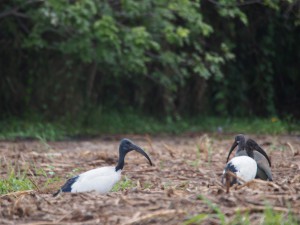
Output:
(241, 145)
(240, 141)
(121, 161)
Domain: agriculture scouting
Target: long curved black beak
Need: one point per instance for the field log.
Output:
(141, 151)
(231, 149)
(254, 146)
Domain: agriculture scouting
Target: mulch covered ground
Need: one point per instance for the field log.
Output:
(185, 181)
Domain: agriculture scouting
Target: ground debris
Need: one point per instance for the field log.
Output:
(184, 182)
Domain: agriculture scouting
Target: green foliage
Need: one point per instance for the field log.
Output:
(270, 216)
(37, 128)
(197, 219)
(228, 10)
(169, 58)
(254, 83)
(130, 122)
(13, 184)
(15, 181)
(197, 161)
(123, 185)
(18, 177)
(49, 177)
(142, 40)
(241, 218)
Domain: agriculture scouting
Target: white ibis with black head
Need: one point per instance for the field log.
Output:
(244, 166)
(102, 179)
(259, 155)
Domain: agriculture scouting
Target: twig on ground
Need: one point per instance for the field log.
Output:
(17, 193)
(291, 147)
(154, 214)
(260, 208)
(170, 150)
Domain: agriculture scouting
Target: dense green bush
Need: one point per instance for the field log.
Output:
(163, 57)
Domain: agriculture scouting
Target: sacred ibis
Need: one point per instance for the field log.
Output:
(243, 166)
(259, 155)
(101, 179)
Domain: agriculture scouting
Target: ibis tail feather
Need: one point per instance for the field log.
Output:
(67, 187)
(56, 193)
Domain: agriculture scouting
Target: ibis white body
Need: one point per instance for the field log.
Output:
(100, 180)
(243, 166)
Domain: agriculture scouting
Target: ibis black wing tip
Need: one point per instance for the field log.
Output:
(56, 193)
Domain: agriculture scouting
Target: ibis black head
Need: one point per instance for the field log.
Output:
(127, 146)
(240, 141)
(251, 145)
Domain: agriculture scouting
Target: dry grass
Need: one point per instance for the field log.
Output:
(186, 167)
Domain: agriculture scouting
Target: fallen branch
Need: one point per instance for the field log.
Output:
(155, 214)
(295, 178)
(263, 208)
(17, 193)
(33, 182)
(268, 183)
(170, 150)
(291, 147)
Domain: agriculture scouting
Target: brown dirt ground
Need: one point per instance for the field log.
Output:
(166, 193)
